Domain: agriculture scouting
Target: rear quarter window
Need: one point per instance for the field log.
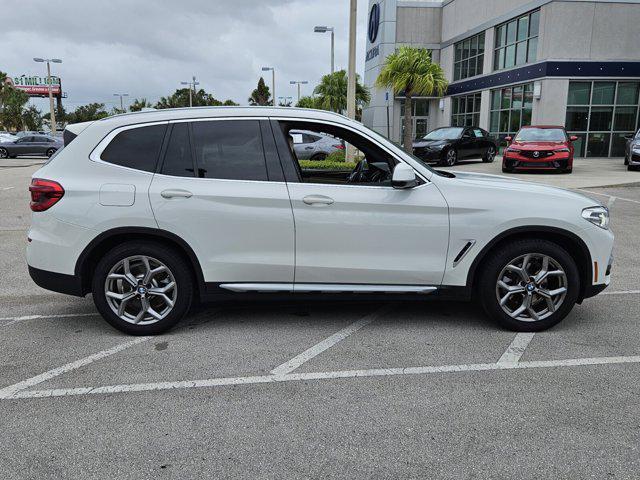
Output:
(137, 148)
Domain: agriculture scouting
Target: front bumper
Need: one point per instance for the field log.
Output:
(548, 163)
(634, 159)
(428, 155)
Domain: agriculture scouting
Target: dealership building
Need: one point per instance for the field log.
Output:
(515, 62)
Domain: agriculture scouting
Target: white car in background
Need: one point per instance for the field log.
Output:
(150, 211)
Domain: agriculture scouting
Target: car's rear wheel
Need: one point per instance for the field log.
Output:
(50, 152)
(142, 288)
(490, 155)
(319, 156)
(4, 153)
(529, 285)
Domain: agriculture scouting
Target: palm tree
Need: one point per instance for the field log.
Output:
(332, 92)
(261, 95)
(139, 104)
(410, 70)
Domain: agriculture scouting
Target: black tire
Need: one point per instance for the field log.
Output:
(499, 258)
(178, 267)
(50, 152)
(490, 155)
(568, 170)
(447, 155)
(4, 153)
(319, 156)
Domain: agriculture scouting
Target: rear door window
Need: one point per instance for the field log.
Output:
(136, 148)
(229, 149)
(178, 160)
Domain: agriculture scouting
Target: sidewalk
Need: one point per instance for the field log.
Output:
(587, 172)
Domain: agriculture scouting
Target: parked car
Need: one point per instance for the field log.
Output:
(314, 146)
(447, 145)
(539, 148)
(150, 211)
(30, 145)
(24, 133)
(5, 137)
(632, 152)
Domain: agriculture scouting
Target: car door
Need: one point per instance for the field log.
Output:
(482, 142)
(40, 145)
(467, 144)
(367, 234)
(22, 145)
(221, 189)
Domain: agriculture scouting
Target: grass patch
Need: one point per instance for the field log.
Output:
(326, 165)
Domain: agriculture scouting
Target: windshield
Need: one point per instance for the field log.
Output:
(444, 134)
(541, 135)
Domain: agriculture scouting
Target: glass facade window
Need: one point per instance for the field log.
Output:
(601, 114)
(511, 108)
(420, 117)
(469, 57)
(517, 41)
(465, 110)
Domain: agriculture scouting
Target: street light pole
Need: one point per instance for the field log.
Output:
(121, 102)
(351, 85)
(273, 82)
(324, 29)
(192, 89)
(298, 82)
(51, 108)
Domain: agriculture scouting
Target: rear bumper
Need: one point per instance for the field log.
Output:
(56, 282)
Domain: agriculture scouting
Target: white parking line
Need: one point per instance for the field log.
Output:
(4, 189)
(623, 292)
(327, 343)
(517, 348)
(11, 390)
(12, 320)
(296, 377)
(606, 195)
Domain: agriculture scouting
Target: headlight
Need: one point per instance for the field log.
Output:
(562, 150)
(597, 215)
(636, 148)
(513, 150)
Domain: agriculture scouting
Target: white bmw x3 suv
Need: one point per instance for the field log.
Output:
(151, 211)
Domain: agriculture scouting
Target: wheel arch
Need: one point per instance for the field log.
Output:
(104, 242)
(572, 243)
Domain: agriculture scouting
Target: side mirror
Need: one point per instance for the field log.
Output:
(508, 139)
(629, 136)
(573, 138)
(404, 177)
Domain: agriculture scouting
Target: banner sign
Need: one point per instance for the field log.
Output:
(36, 85)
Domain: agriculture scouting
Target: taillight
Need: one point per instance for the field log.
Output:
(339, 146)
(44, 194)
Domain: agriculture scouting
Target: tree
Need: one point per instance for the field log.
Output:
(12, 101)
(32, 118)
(139, 104)
(87, 113)
(261, 95)
(200, 99)
(307, 102)
(331, 93)
(410, 70)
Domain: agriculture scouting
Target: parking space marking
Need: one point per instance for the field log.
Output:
(12, 390)
(515, 351)
(327, 343)
(623, 292)
(606, 195)
(6, 188)
(12, 320)
(296, 377)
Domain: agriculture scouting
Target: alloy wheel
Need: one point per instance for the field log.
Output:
(531, 287)
(141, 290)
(491, 154)
(3, 153)
(451, 158)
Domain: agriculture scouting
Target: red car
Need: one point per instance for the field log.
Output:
(539, 148)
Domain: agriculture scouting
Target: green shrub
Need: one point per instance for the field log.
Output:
(326, 165)
(336, 156)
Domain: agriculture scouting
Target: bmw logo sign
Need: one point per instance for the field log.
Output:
(536, 154)
(374, 22)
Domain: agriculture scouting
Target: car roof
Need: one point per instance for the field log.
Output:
(542, 126)
(212, 112)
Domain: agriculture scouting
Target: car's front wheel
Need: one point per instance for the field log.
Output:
(450, 158)
(4, 153)
(142, 288)
(529, 285)
(50, 152)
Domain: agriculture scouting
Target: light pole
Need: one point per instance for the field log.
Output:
(351, 85)
(323, 29)
(298, 82)
(286, 100)
(192, 86)
(121, 102)
(52, 114)
(273, 82)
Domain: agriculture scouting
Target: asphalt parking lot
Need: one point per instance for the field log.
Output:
(403, 390)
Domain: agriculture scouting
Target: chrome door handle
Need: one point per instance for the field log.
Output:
(317, 200)
(176, 194)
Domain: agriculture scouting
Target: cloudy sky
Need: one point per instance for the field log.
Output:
(147, 47)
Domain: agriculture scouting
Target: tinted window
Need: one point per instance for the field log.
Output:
(178, 161)
(136, 148)
(229, 149)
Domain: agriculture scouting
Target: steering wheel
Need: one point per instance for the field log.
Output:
(359, 173)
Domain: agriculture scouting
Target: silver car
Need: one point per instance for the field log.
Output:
(45, 145)
(314, 145)
(632, 152)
